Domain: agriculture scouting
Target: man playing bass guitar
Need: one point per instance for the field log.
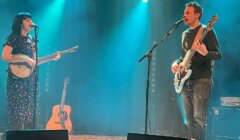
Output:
(196, 89)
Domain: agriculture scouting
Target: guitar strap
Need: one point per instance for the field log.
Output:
(198, 35)
(189, 54)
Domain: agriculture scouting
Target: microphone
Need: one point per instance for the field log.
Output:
(33, 25)
(178, 22)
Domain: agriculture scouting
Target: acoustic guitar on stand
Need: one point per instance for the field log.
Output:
(60, 119)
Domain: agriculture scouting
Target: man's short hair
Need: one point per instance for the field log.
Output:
(196, 6)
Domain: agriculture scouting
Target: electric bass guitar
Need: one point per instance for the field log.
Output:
(60, 119)
(23, 70)
(185, 72)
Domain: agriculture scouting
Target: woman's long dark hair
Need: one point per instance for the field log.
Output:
(17, 22)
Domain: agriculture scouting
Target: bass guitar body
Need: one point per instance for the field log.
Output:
(180, 78)
(60, 119)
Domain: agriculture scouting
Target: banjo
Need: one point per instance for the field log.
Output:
(23, 70)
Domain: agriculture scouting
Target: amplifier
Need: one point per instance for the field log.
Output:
(224, 123)
(230, 101)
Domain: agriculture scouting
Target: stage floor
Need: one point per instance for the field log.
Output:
(88, 137)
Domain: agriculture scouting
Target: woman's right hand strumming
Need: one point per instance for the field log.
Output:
(30, 62)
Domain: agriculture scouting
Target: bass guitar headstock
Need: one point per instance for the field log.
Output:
(73, 49)
(212, 22)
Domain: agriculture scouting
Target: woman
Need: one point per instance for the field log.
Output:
(21, 91)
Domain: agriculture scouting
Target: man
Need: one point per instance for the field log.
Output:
(196, 90)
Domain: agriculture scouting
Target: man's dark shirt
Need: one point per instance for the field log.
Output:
(201, 66)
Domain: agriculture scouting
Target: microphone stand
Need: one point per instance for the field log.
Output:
(149, 56)
(36, 29)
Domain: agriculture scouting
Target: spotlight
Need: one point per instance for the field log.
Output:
(145, 0)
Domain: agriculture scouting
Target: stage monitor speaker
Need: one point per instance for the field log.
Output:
(37, 135)
(134, 136)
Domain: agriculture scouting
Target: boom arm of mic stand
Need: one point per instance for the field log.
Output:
(174, 26)
(149, 54)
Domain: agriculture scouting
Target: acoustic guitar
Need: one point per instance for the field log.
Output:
(60, 119)
(23, 70)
